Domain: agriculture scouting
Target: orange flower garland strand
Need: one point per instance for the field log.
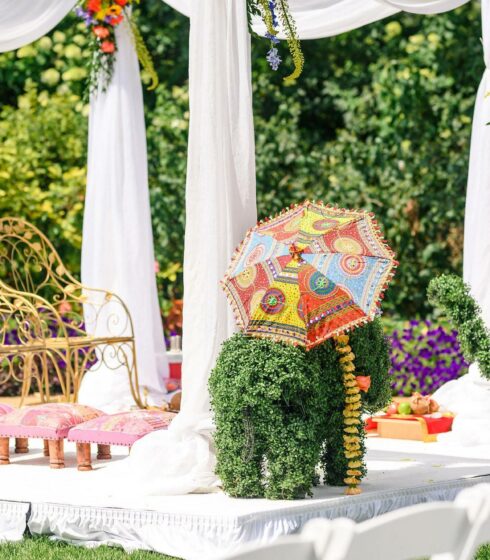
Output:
(352, 415)
(101, 18)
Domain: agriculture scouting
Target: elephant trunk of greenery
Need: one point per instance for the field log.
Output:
(450, 294)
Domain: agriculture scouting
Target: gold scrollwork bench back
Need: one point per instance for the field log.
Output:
(54, 329)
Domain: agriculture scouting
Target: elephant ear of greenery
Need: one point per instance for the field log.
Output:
(452, 296)
(269, 408)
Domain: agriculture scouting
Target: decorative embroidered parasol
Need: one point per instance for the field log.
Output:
(312, 272)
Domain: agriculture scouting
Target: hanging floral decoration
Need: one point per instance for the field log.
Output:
(101, 18)
(276, 13)
(352, 415)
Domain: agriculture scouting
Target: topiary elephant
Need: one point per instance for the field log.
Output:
(279, 411)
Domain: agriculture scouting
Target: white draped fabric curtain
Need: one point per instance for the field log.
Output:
(117, 247)
(117, 252)
(22, 22)
(220, 191)
(470, 395)
(477, 216)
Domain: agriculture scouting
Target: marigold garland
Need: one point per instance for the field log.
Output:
(352, 415)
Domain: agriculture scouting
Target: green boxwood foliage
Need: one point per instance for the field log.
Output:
(269, 402)
(278, 411)
(371, 349)
(452, 296)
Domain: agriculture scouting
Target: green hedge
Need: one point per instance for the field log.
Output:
(380, 119)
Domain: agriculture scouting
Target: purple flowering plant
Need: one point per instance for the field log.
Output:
(424, 356)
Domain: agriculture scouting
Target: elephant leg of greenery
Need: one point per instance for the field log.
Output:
(334, 461)
(240, 452)
(371, 350)
(293, 448)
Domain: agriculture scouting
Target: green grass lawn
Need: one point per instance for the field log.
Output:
(42, 548)
(34, 548)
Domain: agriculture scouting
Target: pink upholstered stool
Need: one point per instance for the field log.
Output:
(21, 444)
(123, 428)
(50, 422)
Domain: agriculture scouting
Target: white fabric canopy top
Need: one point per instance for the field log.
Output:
(220, 197)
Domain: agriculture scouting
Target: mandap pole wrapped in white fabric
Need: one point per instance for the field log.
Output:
(117, 251)
(477, 215)
(469, 396)
(220, 206)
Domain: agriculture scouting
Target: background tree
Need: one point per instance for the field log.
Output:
(380, 119)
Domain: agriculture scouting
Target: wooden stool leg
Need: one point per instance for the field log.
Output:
(46, 448)
(4, 451)
(21, 445)
(104, 452)
(83, 457)
(56, 454)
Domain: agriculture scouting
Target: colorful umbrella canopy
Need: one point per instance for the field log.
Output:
(312, 272)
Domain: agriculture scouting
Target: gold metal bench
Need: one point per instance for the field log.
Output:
(51, 326)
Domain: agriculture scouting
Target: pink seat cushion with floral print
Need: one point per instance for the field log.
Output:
(5, 409)
(47, 421)
(123, 428)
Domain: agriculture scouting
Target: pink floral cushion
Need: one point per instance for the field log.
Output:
(47, 421)
(5, 409)
(123, 428)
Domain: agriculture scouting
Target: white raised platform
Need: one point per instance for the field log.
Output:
(78, 507)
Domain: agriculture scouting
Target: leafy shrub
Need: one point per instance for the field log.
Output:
(167, 159)
(380, 119)
(452, 296)
(279, 409)
(42, 166)
(424, 356)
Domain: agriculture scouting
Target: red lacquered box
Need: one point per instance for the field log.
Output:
(412, 426)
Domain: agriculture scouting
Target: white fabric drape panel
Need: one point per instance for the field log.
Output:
(117, 251)
(24, 21)
(477, 217)
(325, 18)
(469, 396)
(220, 207)
(182, 6)
(425, 6)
